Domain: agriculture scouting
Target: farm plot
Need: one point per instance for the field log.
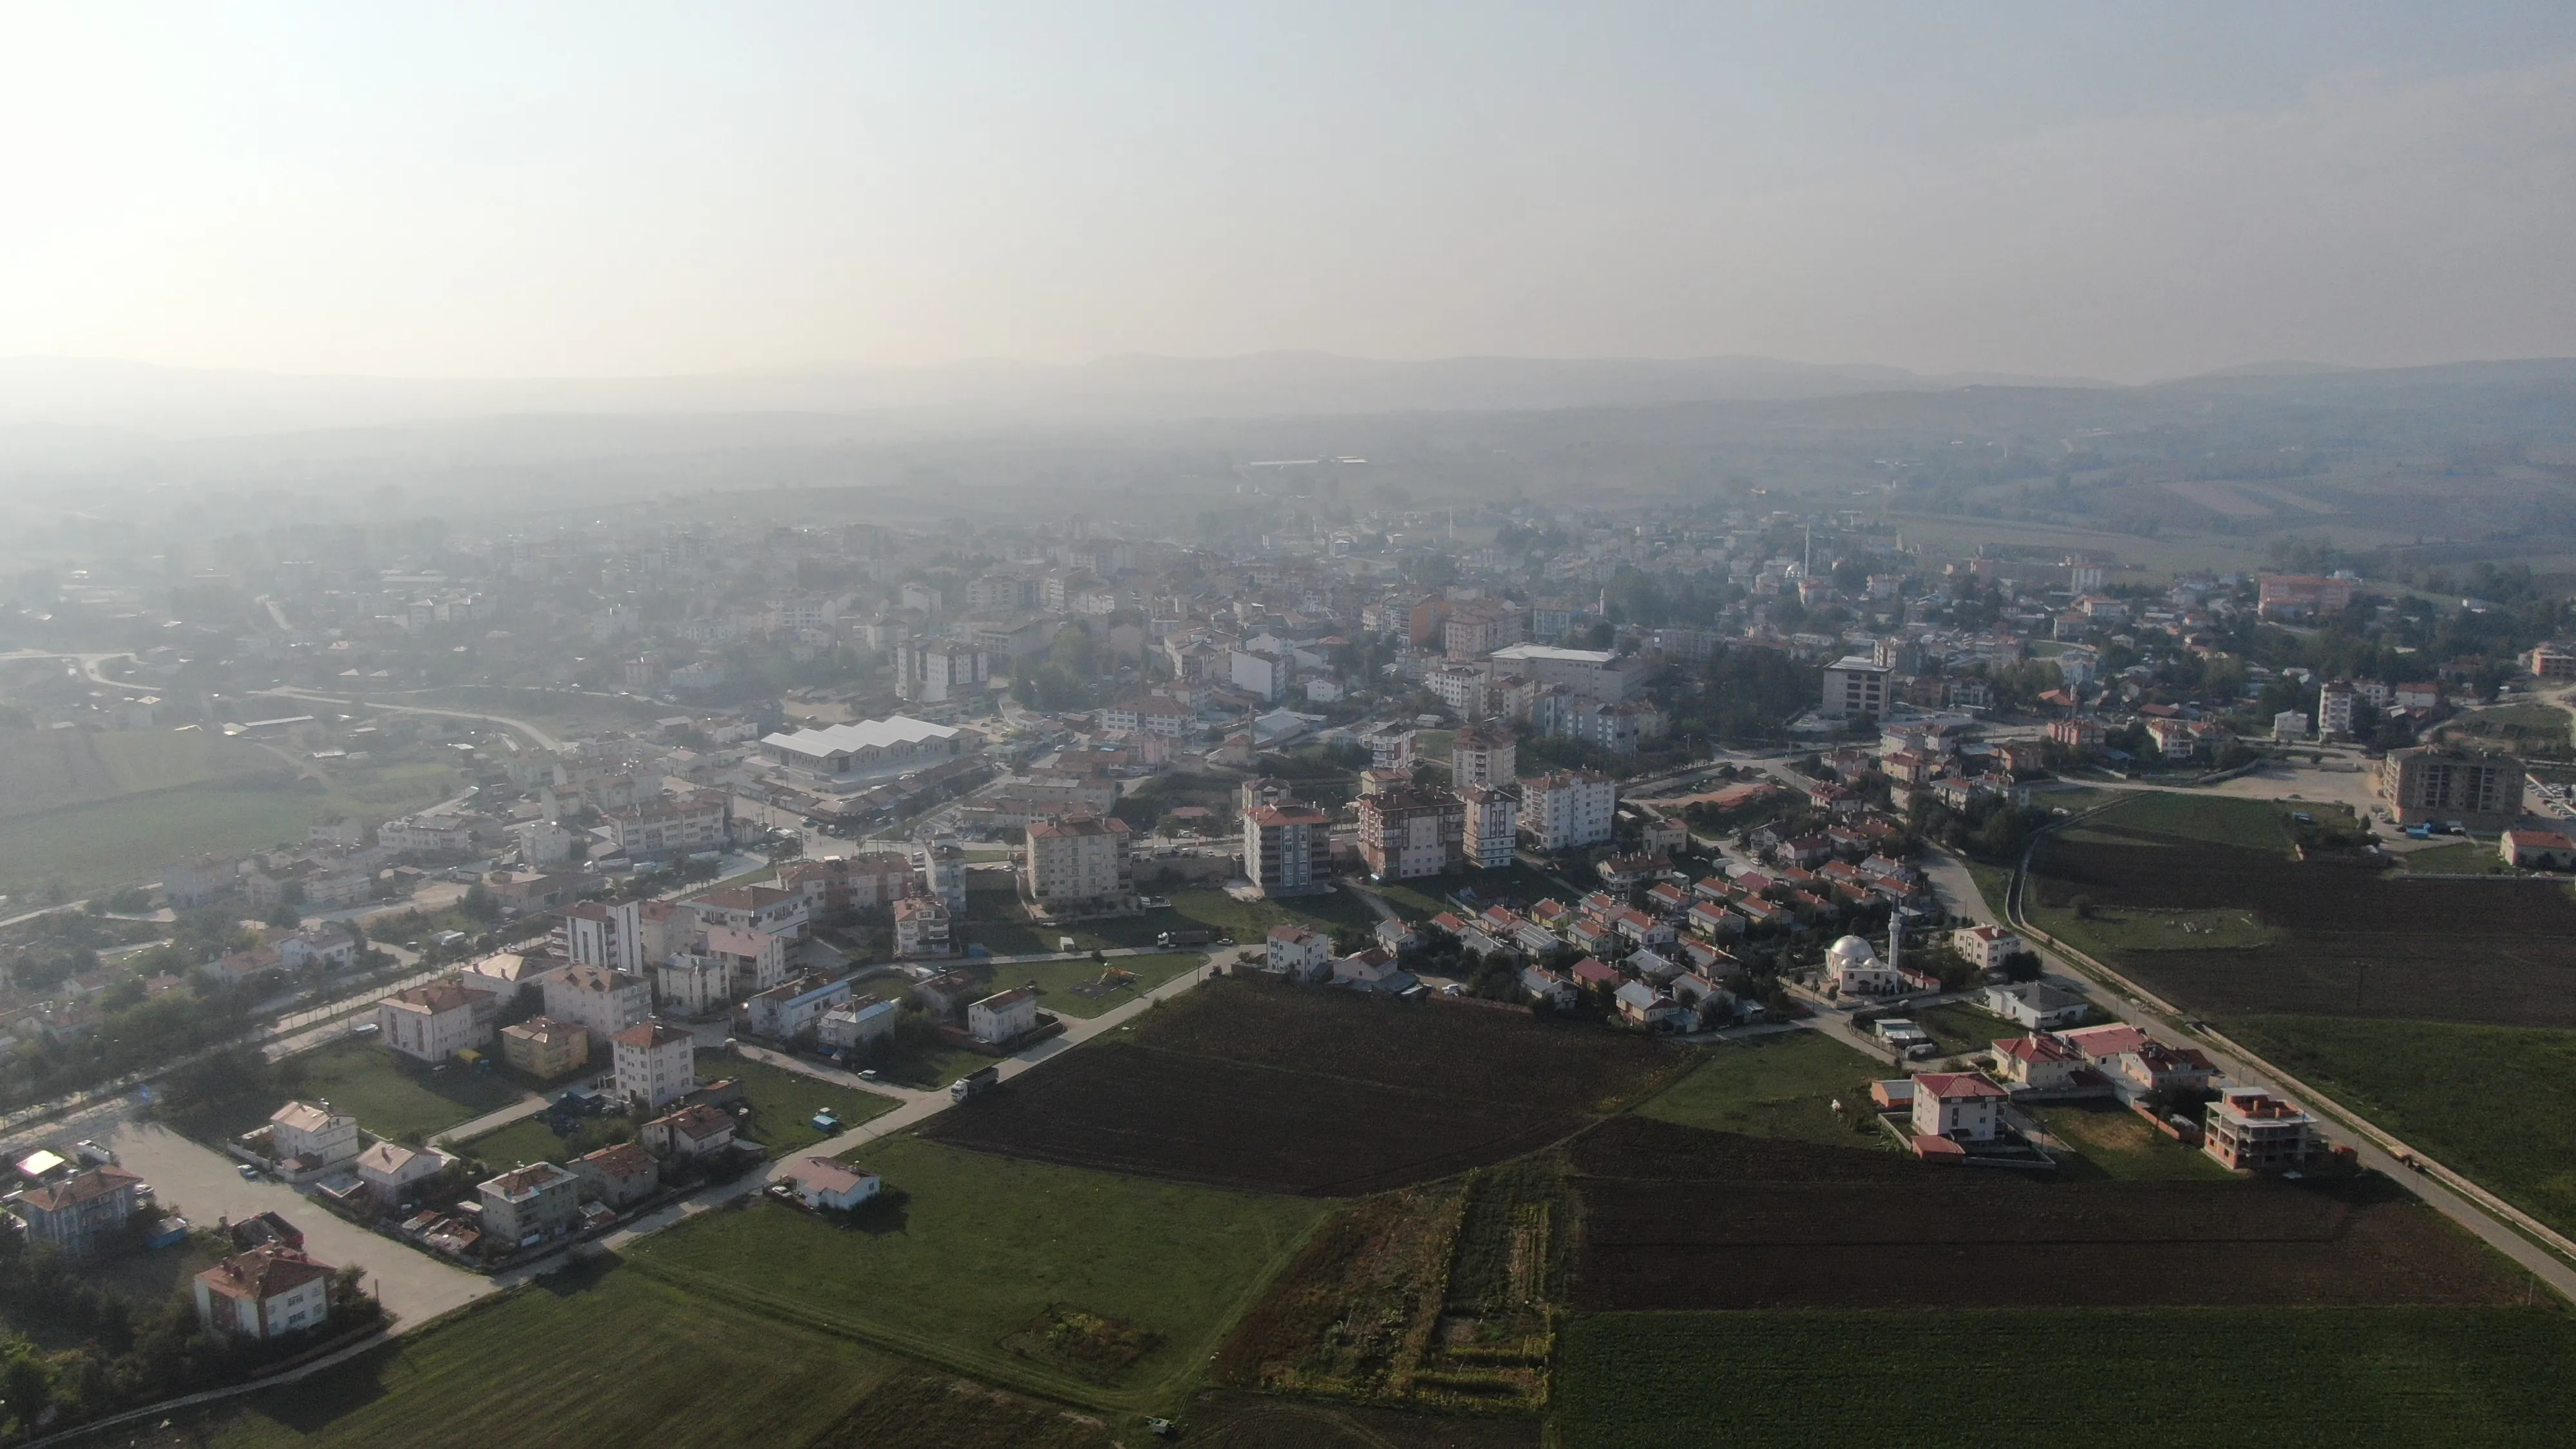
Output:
(1782, 1085)
(2346, 940)
(1252, 1084)
(2218, 1378)
(1128, 1108)
(1718, 1229)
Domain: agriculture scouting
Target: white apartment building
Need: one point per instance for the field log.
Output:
(1568, 810)
(1855, 685)
(1078, 866)
(434, 1022)
(654, 1064)
(1483, 755)
(599, 1000)
(1493, 824)
(2334, 709)
(938, 673)
(308, 1130)
(1264, 676)
(1462, 687)
(942, 864)
(1282, 843)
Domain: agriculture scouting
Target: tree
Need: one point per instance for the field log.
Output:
(283, 916)
(479, 903)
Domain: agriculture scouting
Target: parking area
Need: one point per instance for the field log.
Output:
(205, 1186)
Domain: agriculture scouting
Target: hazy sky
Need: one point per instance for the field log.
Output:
(524, 189)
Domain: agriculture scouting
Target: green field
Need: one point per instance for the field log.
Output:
(979, 1247)
(2460, 857)
(1055, 980)
(1191, 910)
(2112, 929)
(1428, 896)
(1781, 1085)
(2211, 1378)
(360, 1078)
(2116, 1143)
(599, 1356)
(2217, 819)
(784, 1102)
(2495, 1103)
(123, 841)
(1959, 1029)
(530, 1140)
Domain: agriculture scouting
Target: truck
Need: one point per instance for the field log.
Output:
(974, 1083)
(1184, 938)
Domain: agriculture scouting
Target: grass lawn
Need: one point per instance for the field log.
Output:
(978, 1249)
(530, 1140)
(2117, 1143)
(122, 841)
(783, 1103)
(2496, 1103)
(2217, 819)
(1419, 900)
(598, 1355)
(1994, 882)
(1958, 1028)
(2212, 1378)
(391, 1101)
(1780, 1085)
(2460, 857)
(1056, 980)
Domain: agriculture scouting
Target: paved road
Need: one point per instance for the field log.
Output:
(204, 1185)
(1957, 889)
(536, 736)
(528, 1105)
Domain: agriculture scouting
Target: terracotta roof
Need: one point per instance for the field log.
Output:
(1956, 1086)
(96, 1183)
(623, 1159)
(699, 1121)
(649, 1034)
(262, 1274)
(822, 1174)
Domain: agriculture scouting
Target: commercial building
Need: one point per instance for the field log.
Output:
(846, 757)
(1406, 832)
(1594, 674)
(1568, 810)
(654, 1064)
(2437, 784)
(1282, 845)
(1855, 685)
(1078, 866)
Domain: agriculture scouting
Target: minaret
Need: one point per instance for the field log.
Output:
(1895, 941)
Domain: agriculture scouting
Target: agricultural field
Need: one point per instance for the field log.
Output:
(1248, 1083)
(1780, 1085)
(783, 1102)
(1076, 988)
(392, 1101)
(496, 1374)
(1103, 1290)
(2307, 1378)
(2202, 819)
(2113, 1142)
(2345, 939)
(44, 770)
(1229, 1419)
(2437, 1086)
(1678, 1219)
(2463, 857)
(127, 839)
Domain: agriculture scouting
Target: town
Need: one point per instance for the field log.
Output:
(694, 922)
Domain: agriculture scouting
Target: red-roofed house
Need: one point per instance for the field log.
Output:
(264, 1293)
(2039, 1063)
(820, 1182)
(2537, 850)
(1957, 1106)
(2100, 1044)
(1592, 975)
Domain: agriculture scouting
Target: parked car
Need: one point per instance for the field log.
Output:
(248, 1172)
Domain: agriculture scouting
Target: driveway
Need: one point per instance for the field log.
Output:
(204, 1186)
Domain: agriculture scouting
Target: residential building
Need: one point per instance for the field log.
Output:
(939, 673)
(825, 1184)
(785, 1011)
(2037, 1005)
(2298, 596)
(2480, 789)
(1405, 832)
(2038, 1063)
(1986, 947)
(82, 1215)
(1151, 714)
(1390, 748)
(1282, 845)
(753, 959)
(781, 913)
(310, 1136)
(839, 883)
(2553, 660)
(677, 824)
(325, 947)
(2153, 1067)
(1957, 1106)
(2249, 1130)
(1263, 676)
(692, 984)
(528, 1205)
(193, 882)
(263, 1294)
(1568, 810)
(1593, 674)
(1855, 686)
(2334, 710)
(1462, 687)
(434, 1022)
(847, 757)
(855, 1022)
(654, 1064)
(1078, 867)
(545, 1048)
(389, 1169)
(695, 1130)
(1003, 1017)
(1483, 755)
(601, 1001)
(921, 928)
(620, 1175)
(2537, 850)
(1479, 627)
(1298, 953)
(1492, 828)
(943, 872)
